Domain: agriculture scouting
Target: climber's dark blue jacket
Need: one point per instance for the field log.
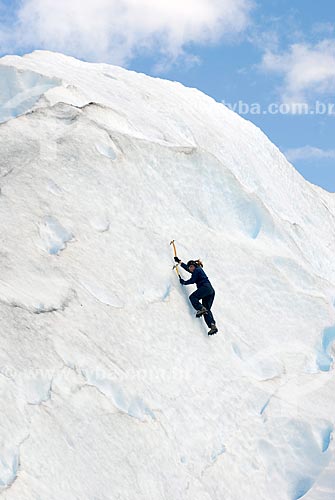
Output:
(199, 276)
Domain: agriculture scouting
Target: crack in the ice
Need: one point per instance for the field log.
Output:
(16, 466)
(5, 174)
(41, 308)
(112, 360)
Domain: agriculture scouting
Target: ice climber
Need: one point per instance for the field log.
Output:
(204, 292)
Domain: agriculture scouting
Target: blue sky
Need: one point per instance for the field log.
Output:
(261, 53)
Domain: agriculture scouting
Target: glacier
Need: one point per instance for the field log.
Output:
(110, 387)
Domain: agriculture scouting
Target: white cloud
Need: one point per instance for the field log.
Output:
(326, 28)
(308, 71)
(118, 30)
(309, 153)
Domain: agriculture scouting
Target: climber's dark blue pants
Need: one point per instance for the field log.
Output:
(206, 293)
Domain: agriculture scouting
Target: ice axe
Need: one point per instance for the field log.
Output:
(175, 254)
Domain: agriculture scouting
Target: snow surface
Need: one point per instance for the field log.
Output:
(111, 388)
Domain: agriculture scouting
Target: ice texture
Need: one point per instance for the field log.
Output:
(110, 387)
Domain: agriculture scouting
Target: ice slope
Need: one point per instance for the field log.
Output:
(110, 387)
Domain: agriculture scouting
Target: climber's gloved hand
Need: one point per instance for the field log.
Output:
(176, 259)
(181, 281)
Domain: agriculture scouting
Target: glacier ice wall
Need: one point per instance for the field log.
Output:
(111, 387)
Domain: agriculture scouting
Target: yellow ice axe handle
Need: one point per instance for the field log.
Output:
(175, 254)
